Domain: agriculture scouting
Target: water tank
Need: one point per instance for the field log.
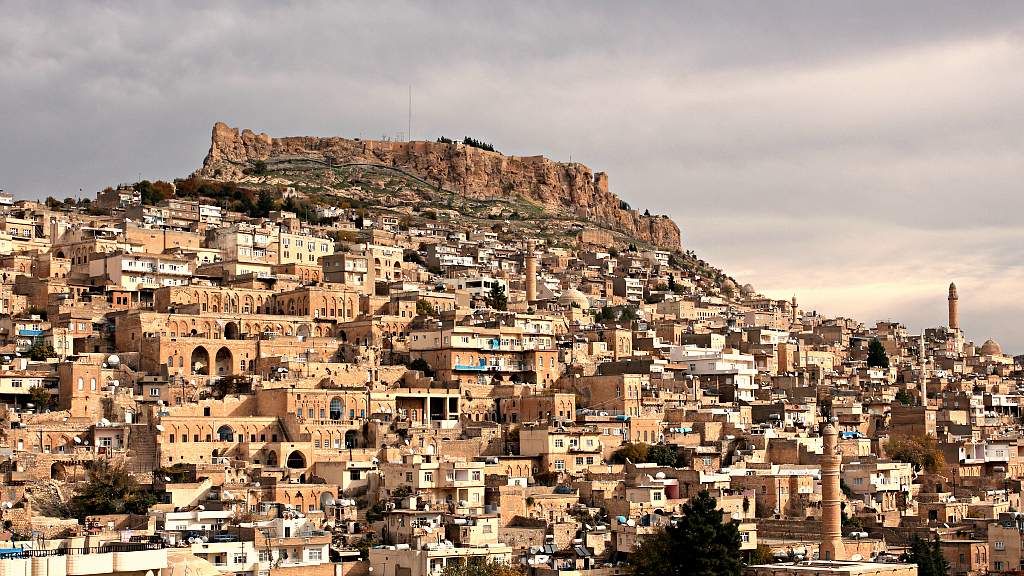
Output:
(114, 361)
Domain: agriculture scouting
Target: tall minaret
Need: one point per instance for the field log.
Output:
(531, 272)
(954, 313)
(832, 547)
(794, 309)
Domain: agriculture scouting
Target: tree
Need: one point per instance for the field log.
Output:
(424, 307)
(40, 396)
(41, 352)
(497, 299)
(662, 456)
(699, 544)
(762, 555)
(635, 452)
(110, 490)
(928, 557)
(903, 398)
(877, 358)
(922, 452)
(421, 365)
(480, 566)
(264, 205)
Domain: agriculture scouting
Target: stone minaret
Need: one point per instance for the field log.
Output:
(531, 272)
(954, 312)
(832, 547)
(794, 310)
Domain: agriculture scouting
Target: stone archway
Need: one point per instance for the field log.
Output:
(231, 331)
(223, 362)
(296, 460)
(200, 361)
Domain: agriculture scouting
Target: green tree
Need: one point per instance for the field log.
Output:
(259, 167)
(923, 452)
(479, 566)
(699, 544)
(264, 205)
(421, 365)
(903, 398)
(40, 396)
(877, 358)
(636, 452)
(762, 555)
(41, 352)
(424, 307)
(497, 299)
(662, 456)
(928, 557)
(110, 490)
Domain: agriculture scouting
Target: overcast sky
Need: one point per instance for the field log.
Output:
(860, 155)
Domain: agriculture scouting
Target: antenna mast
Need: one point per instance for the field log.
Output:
(410, 113)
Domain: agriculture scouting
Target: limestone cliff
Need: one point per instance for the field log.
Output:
(477, 173)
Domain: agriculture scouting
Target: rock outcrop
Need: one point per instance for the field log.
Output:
(471, 171)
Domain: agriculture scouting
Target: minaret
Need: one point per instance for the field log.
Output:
(832, 547)
(531, 272)
(794, 309)
(954, 313)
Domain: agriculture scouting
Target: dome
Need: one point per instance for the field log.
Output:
(728, 287)
(991, 348)
(573, 296)
(747, 290)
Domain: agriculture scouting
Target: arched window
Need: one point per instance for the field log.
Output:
(225, 434)
(181, 361)
(170, 361)
(92, 383)
(81, 383)
(336, 408)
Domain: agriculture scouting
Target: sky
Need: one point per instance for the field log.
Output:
(859, 155)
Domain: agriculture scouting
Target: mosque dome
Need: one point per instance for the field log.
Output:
(728, 287)
(573, 296)
(991, 348)
(748, 290)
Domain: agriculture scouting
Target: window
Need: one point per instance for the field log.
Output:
(579, 460)
(745, 536)
(707, 461)
(16, 383)
(559, 464)
(238, 558)
(657, 496)
(590, 460)
(1000, 546)
(408, 476)
(487, 528)
(317, 554)
(559, 443)
(354, 475)
(428, 476)
(476, 475)
(858, 481)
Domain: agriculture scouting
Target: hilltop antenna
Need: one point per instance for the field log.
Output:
(410, 113)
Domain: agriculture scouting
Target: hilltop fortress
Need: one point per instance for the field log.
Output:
(464, 169)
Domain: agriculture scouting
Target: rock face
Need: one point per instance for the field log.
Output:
(467, 170)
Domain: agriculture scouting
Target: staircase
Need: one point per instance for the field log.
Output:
(142, 448)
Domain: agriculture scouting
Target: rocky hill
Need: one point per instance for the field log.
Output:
(466, 170)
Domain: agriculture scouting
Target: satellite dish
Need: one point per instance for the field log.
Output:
(406, 442)
(113, 360)
(167, 478)
(201, 507)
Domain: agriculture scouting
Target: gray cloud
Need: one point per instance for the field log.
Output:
(858, 154)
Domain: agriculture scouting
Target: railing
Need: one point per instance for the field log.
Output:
(105, 549)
